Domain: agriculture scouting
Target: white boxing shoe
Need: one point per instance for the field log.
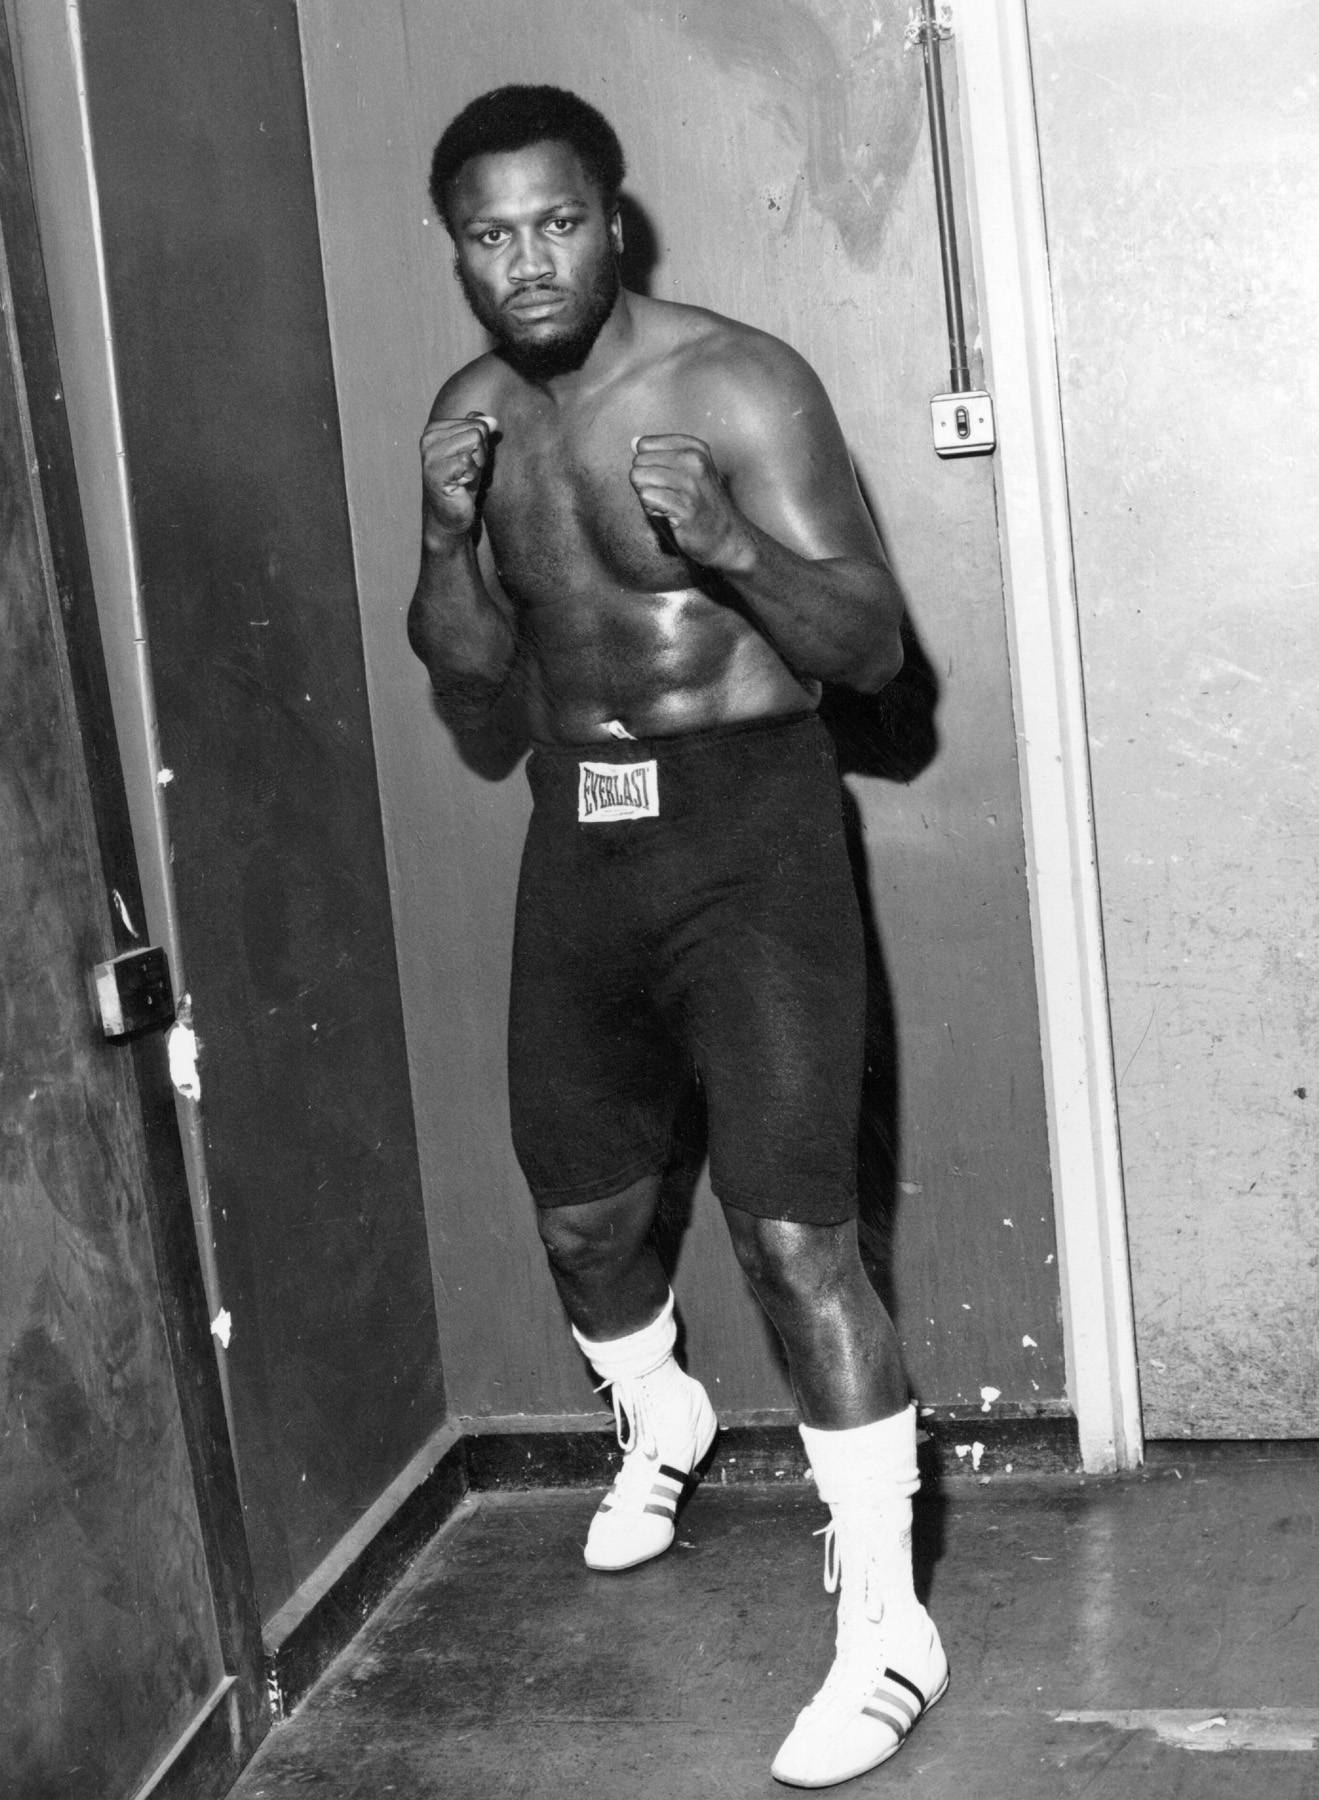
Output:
(889, 1665)
(665, 1437)
(866, 1710)
(665, 1426)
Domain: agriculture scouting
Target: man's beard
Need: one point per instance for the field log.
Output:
(551, 356)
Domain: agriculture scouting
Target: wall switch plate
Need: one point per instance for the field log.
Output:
(134, 992)
(963, 423)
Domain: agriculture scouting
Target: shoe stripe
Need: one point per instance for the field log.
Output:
(893, 1675)
(669, 1489)
(896, 1720)
(897, 1703)
(897, 1723)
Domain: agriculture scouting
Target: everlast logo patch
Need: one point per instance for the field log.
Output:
(617, 791)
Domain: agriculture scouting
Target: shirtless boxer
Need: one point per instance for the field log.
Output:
(645, 514)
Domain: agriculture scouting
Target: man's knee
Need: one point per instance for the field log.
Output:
(599, 1234)
(786, 1261)
(571, 1241)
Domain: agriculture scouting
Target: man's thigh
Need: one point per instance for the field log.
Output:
(775, 1012)
(594, 1075)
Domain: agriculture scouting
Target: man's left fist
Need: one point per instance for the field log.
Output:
(675, 479)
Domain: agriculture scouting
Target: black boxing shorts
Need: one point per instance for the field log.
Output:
(686, 905)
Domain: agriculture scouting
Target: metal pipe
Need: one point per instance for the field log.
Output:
(960, 372)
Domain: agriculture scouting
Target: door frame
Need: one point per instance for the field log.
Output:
(1010, 248)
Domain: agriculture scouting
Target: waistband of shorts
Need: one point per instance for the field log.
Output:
(777, 726)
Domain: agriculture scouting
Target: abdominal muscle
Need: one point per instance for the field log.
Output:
(657, 664)
(616, 627)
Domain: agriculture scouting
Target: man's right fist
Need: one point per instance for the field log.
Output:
(453, 459)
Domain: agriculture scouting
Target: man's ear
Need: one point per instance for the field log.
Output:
(616, 231)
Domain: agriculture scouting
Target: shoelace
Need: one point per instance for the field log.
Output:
(833, 1568)
(853, 1669)
(833, 1573)
(632, 1425)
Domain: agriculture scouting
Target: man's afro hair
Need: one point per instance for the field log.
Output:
(511, 118)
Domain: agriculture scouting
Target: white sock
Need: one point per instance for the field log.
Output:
(877, 1460)
(639, 1354)
(867, 1474)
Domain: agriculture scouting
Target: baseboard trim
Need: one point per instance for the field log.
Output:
(1164, 1452)
(326, 1612)
(515, 1452)
(209, 1756)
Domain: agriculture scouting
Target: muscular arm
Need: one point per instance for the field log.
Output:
(458, 626)
(781, 521)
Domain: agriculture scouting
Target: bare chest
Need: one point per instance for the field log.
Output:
(564, 521)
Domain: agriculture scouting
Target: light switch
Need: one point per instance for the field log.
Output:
(134, 992)
(963, 423)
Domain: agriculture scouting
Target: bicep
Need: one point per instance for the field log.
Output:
(788, 467)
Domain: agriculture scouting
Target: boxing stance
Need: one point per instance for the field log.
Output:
(644, 515)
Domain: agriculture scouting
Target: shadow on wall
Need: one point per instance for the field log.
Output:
(640, 245)
(890, 736)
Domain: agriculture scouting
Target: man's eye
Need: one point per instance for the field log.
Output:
(493, 236)
(561, 227)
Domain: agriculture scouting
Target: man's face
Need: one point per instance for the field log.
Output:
(536, 254)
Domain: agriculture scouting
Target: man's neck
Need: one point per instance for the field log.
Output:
(613, 349)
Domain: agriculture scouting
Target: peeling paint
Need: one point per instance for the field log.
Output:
(182, 1046)
(124, 915)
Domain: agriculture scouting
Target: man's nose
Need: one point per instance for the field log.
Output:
(530, 260)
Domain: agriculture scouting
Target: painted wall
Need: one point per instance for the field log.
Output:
(1180, 152)
(780, 172)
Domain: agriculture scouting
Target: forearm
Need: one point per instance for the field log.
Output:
(461, 631)
(833, 619)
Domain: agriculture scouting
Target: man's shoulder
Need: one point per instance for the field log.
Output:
(479, 386)
(727, 356)
(712, 339)
(752, 379)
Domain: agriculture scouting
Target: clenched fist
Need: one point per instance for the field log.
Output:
(675, 479)
(454, 453)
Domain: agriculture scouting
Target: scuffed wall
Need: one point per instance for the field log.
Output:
(1180, 150)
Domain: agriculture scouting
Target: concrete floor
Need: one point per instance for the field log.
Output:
(1153, 1636)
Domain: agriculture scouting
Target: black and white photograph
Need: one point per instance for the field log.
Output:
(659, 1077)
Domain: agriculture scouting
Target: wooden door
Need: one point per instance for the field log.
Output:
(129, 1645)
